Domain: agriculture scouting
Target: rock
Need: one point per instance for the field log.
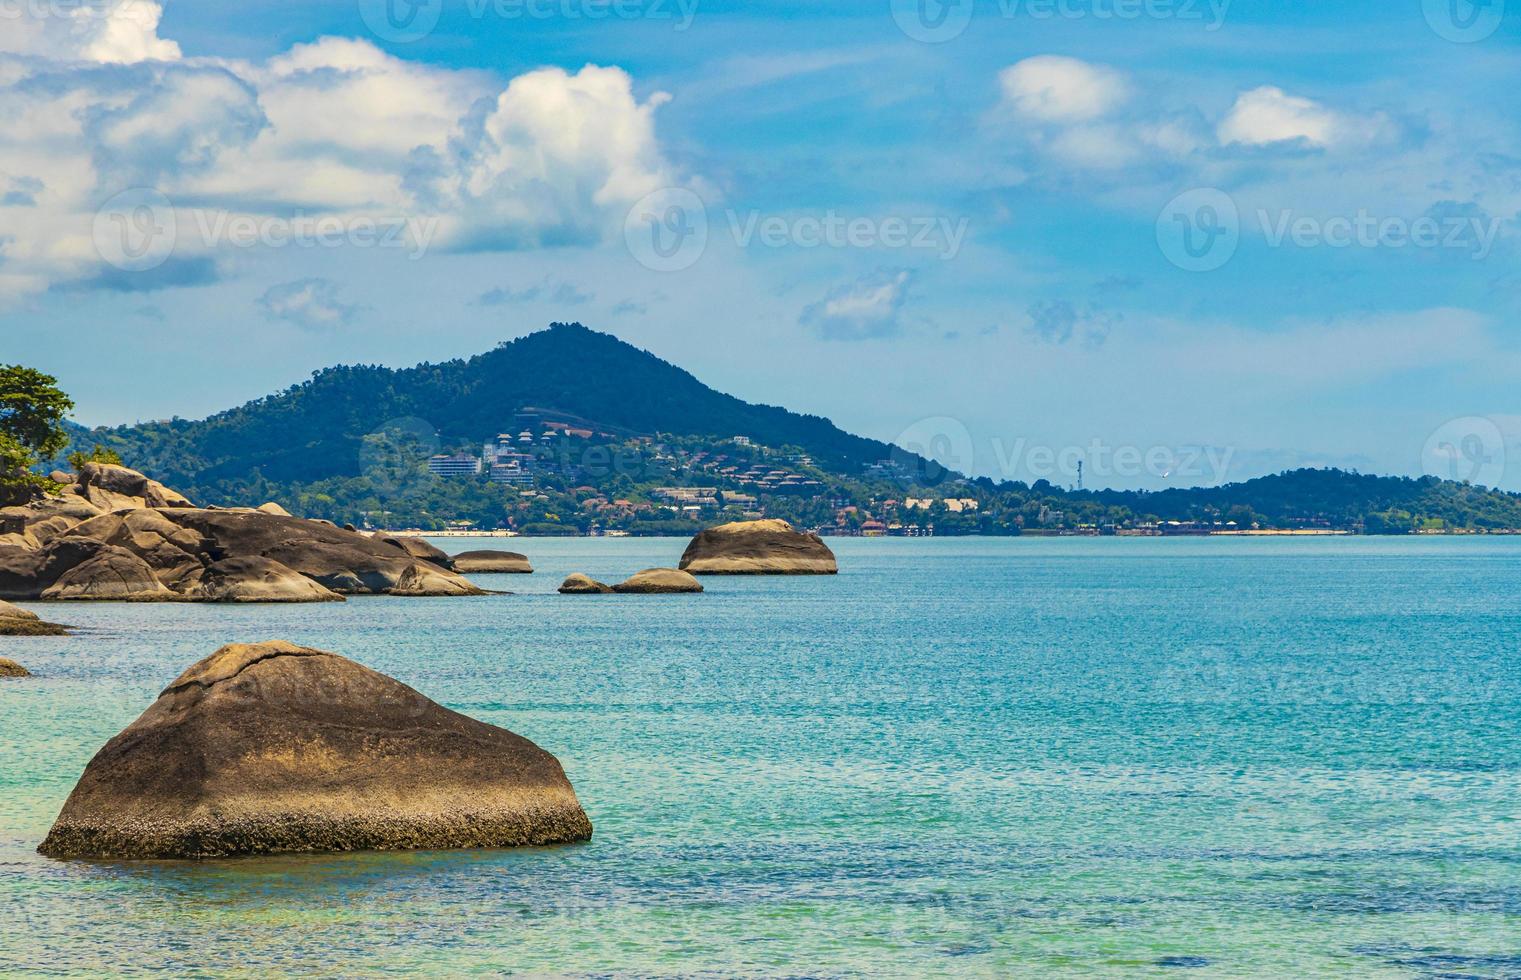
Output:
(174, 553)
(30, 574)
(273, 508)
(30, 627)
(659, 581)
(118, 482)
(9, 668)
(417, 548)
(350, 527)
(342, 561)
(492, 562)
(258, 580)
(758, 548)
(59, 476)
(579, 584)
(8, 611)
(112, 574)
(272, 748)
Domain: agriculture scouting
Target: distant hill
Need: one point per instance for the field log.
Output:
(312, 448)
(314, 431)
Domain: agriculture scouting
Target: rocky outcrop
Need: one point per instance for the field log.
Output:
(273, 508)
(492, 563)
(579, 584)
(9, 668)
(257, 580)
(119, 535)
(659, 581)
(758, 548)
(417, 548)
(15, 621)
(272, 748)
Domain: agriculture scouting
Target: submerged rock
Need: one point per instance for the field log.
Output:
(9, 668)
(659, 581)
(271, 748)
(492, 562)
(579, 584)
(758, 548)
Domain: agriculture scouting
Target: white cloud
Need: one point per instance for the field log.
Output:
(313, 304)
(870, 307)
(110, 32)
(1270, 115)
(1051, 88)
(336, 127)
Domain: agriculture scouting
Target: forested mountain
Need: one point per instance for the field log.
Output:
(315, 430)
(314, 448)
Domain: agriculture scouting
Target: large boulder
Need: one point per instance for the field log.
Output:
(9, 668)
(417, 548)
(492, 563)
(31, 574)
(113, 575)
(104, 483)
(579, 584)
(659, 581)
(758, 548)
(257, 580)
(272, 748)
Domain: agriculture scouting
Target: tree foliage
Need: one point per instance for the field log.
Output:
(32, 411)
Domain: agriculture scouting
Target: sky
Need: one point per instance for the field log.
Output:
(1182, 242)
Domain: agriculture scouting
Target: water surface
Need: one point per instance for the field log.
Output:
(958, 757)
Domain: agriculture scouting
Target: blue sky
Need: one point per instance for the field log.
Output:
(1225, 238)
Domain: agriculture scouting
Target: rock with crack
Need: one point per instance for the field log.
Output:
(758, 548)
(659, 581)
(492, 563)
(271, 748)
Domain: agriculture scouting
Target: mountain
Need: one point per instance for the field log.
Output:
(614, 431)
(315, 431)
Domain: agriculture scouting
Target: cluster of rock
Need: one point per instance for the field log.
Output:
(651, 581)
(114, 534)
(271, 748)
(771, 547)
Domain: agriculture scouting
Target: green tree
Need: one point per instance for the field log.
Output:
(100, 454)
(32, 410)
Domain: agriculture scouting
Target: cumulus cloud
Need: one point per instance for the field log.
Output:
(110, 32)
(1270, 115)
(95, 103)
(868, 308)
(1051, 88)
(313, 304)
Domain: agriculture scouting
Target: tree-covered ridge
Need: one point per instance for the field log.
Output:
(630, 426)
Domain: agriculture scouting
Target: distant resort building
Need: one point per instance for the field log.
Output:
(457, 465)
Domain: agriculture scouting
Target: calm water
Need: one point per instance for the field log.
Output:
(956, 758)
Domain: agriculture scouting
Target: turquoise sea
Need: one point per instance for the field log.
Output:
(959, 757)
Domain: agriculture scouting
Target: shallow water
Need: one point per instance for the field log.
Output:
(959, 757)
